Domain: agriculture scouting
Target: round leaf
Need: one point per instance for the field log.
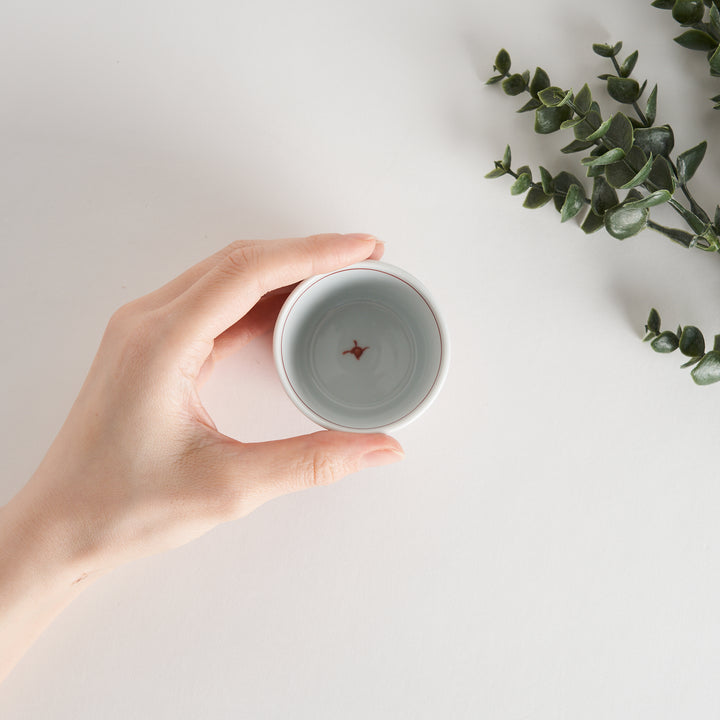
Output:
(665, 342)
(707, 371)
(655, 140)
(620, 133)
(624, 90)
(622, 222)
(549, 119)
(620, 173)
(692, 342)
(514, 85)
(688, 12)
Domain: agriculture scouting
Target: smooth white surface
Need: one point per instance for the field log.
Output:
(549, 547)
(383, 386)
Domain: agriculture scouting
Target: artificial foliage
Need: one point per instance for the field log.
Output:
(632, 168)
(701, 20)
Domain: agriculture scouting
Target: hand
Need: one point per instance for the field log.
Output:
(139, 466)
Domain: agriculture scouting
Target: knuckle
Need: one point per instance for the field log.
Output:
(246, 262)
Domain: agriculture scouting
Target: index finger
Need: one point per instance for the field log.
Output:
(224, 294)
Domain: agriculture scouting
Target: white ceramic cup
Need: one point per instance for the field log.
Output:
(362, 349)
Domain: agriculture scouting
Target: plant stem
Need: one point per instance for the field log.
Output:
(694, 206)
(639, 112)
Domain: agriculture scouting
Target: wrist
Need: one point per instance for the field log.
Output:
(40, 545)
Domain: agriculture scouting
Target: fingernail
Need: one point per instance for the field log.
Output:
(360, 236)
(380, 457)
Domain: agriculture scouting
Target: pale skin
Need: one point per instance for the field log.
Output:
(139, 467)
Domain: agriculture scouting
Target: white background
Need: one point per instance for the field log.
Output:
(550, 546)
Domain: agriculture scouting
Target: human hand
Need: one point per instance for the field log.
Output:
(139, 466)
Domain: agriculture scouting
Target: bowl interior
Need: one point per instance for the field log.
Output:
(361, 348)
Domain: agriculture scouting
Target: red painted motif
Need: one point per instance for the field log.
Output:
(357, 351)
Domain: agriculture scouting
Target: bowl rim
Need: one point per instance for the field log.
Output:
(399, 274)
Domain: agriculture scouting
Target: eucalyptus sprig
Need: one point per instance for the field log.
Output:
(626, 153)
(691, 343)
(702, 18)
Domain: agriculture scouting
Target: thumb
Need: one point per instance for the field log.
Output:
(279, 467)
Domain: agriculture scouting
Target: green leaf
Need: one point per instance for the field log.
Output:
(688, 12)
(624, 90)
(546, 181)
(554, 96)
(561, 187)
(536, 198)
(524, 170)
(655, 140)
(583, 100)
(715, 19)
(592, 223)
(549, 119)
(689, 161)
(496, 173)
(572, 122)
(681, 237)
(494, 79)
(653, 323)
(662, 175)
(707, 371)
(691, 361)
(640, 177)
(620, 133)
(656, 198)
(502, 62)
(606, 50)
(514, 85)
(539, 82)
(507, 158)
(627, 67)
(622, 222)
(574, 201)
(590, 124)
(620, 173)
(692, 342)
(531, 104)
(716, 344)
(663, 4)
(603, 197)
(665, 342)
(716, 220)
(697, 40)
(600, 132)
(607, 158)
(714, 61)
(577, 146)
(520, 185)
(651, 107)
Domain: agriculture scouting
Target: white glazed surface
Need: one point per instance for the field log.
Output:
(404, 355)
